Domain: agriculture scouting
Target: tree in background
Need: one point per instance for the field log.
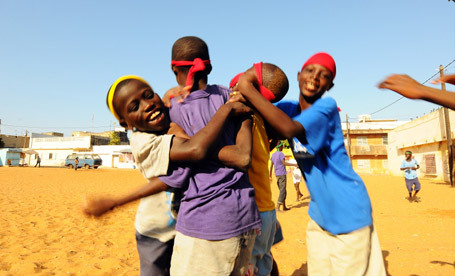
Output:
(115, 139)
(2, 144)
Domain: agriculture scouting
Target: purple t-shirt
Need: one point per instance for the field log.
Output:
(219, 201)
(277, 159)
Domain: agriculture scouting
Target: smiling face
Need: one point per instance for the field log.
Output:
(140, 107)
(314, 81)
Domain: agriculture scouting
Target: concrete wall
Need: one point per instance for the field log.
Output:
(13, 155)
(13, 141)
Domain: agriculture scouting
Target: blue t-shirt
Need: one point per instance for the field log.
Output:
(339, 199)
(277, 159)
(409, 174)
(218, 202)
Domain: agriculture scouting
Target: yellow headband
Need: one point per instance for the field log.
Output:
(110, 94)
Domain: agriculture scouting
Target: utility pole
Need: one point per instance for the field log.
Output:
(448, 131)
(348, 137)
(25, 138)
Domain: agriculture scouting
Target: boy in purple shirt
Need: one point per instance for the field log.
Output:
(278, 160)
(218, 214)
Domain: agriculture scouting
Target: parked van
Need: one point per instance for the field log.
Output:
(86, 160)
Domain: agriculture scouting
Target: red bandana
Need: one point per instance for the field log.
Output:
(197, 65)
(264, 90)
(323, 59)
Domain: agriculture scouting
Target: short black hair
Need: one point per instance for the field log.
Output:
(188, 48)
(275, 80)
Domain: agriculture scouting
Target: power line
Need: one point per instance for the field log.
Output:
(422, 83)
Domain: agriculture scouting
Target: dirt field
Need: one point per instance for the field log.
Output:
(44, 233)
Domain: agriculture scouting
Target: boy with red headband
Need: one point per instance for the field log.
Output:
(157, 144)
(273, 85)
(218, 216)
(341, 238)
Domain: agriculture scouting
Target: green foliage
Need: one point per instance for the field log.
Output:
(115, 139)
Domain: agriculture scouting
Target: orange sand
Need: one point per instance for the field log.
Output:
(44, 233)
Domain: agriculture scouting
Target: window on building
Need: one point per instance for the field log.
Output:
(363, 163)
(362, 141)
(430, 163)
(385, 164)
(50, 155)
(385, 140)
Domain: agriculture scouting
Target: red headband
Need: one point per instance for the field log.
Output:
(323, 59)
(197, 65)
(262, 89)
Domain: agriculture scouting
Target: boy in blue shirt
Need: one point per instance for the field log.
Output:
(341, 238)
(410, 166)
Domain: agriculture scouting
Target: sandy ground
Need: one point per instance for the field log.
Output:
(44, 233)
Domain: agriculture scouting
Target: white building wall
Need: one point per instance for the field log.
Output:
(422, 136)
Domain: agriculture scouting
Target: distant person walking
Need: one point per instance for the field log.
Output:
(278, 160)
(410, 166)
(76, 163)
(38, 162)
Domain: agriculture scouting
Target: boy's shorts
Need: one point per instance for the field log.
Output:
(281, 182)
(154, 255)
(355, 253)
(410, 182)
(195, 257)
(261, 256)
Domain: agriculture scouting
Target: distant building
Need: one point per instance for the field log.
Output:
(367, 143)
(103, 138)
(427, 139)
(15, 141)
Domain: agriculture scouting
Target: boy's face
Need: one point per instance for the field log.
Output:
(180, 76)
(139, 107)
(314, 81)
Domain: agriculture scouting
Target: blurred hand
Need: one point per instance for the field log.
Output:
(402, 84)
(445, 79)
(176, 92)
(97, 206)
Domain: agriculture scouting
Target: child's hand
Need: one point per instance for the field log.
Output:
(179, 93)
(447, 78)
(97, 206)
(236, 97)
(239, 108)
(404, 85)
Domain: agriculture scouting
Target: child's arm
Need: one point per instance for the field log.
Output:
(409, 88)
(100, 205)
(277, 119)
(239, 155)
(270, 171)
(196, 148)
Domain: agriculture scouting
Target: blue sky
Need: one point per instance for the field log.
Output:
(58, 58)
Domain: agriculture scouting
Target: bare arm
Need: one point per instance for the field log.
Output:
(196, 148)
(99, 206)
(239, 155)
(410, 88)
(276, 118)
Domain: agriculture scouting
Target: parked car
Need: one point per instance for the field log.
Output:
(86, 160)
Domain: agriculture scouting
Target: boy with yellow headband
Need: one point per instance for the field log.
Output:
(341, 237)
(155, 148)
